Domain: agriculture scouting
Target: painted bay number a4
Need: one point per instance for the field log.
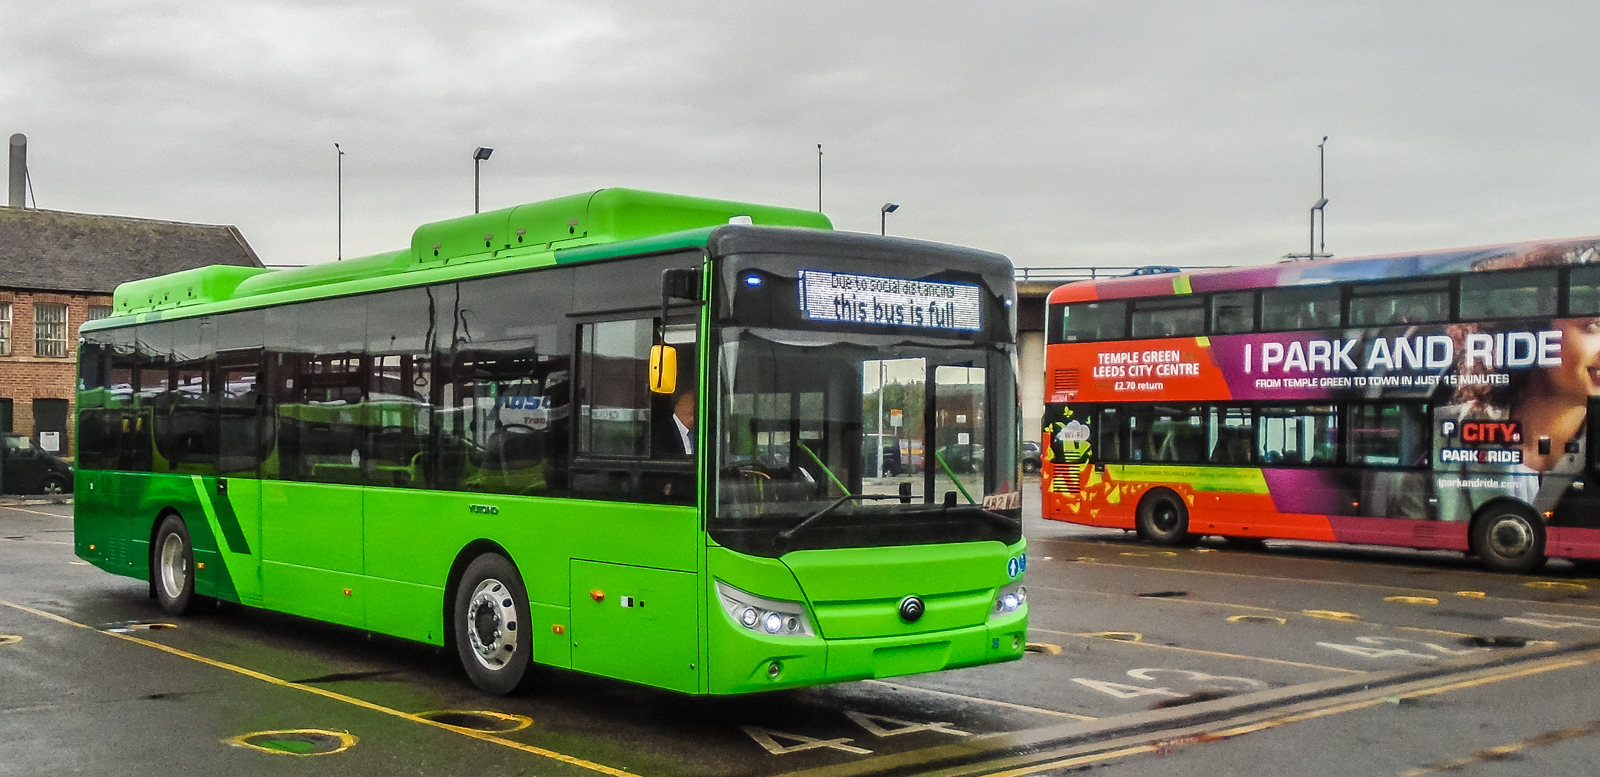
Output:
(783, 743)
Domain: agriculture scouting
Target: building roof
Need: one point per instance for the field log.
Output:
(48, 250)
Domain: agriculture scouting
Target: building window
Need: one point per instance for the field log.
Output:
(97, 312)
(5, 329)
(49, 329)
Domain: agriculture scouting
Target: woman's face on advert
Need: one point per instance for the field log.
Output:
(1579, 373)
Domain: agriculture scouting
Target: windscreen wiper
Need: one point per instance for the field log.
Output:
(781, 541)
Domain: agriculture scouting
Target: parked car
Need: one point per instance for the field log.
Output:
(30, 469)
(1155, 269)
(1030, 456)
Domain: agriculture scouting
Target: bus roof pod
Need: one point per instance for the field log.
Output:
(596, 218)
(592, 218)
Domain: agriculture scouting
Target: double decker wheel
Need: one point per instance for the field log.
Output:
(1509, 538)
(1163, 519)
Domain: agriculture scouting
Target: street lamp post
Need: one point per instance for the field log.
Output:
(883, 217)
(1315, 251)
(339, 252)
(1322, 191)
(478, 155)
(819, 177)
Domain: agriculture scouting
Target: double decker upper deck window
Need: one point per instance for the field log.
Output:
(1168, 318)
(1303, 307)
(1087, 322)
(1509, 294)
(1389, 304)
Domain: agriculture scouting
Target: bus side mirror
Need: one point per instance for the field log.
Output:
(663, 369)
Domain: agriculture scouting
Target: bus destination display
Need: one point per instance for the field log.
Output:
(884, 301)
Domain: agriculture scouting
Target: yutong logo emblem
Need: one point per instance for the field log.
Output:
(911, 609)
(484, 509)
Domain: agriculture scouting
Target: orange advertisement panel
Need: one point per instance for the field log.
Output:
(1170, 369)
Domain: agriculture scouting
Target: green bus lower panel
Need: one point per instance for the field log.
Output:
(552, 646)
(403, 609)
(637, 624)
(337, 597)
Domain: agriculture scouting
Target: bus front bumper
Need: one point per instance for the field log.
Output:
(744, 663)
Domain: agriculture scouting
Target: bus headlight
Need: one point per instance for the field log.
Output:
(1009, 600)
(764, 616)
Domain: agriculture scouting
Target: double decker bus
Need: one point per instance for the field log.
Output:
(1428, 400)
(490, 441)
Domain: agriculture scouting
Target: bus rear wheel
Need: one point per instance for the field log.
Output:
(1162, 519)
(172, 567)
(1509, 539)
(491, 619)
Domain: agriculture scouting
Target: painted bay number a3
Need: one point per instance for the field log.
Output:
(878, 725)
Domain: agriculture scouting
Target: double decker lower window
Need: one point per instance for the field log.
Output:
(1388, 435)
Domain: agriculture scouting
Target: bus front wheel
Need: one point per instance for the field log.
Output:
(492, 625)
(1162, 519)
(1509, 539)
(173, 569)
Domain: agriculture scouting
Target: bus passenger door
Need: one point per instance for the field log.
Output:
(243, 441)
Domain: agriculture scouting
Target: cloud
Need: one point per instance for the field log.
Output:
(1057, 132)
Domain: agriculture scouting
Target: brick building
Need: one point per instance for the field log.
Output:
(57, 270)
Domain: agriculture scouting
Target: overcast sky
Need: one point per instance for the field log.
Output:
(1059, 133)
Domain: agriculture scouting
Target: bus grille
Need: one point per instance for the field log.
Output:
(1064, 384)
(1065, 482)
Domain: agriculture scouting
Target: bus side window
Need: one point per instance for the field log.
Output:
(1231, 432)
(1109, 429)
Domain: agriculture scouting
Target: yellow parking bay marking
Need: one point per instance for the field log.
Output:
(1191, 737)
(266, 678)
(1503, 751)
(1555, 585)
(1214, 573)
(296, 741)
(980, 700)
(1198, 651)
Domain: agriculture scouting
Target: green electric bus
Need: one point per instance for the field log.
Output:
(490, 441)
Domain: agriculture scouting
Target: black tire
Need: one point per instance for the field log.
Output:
(1029, 466)
(53, 485)
(1163, 519)
(492, 623)
(1509, 538)
(172, 567)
